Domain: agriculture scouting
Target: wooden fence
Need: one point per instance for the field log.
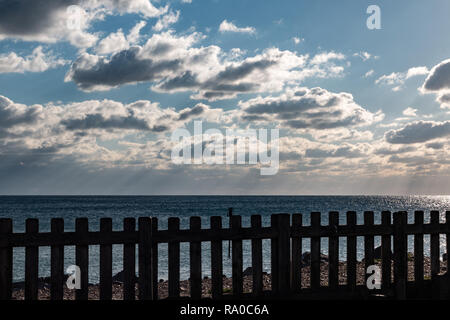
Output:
(285, 236)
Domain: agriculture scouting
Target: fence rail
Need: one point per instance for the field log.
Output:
(286, 234)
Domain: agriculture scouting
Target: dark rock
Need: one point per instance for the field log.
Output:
(306, 259)
(119, 277)
(444, 257)
(377, 253)
(248, 272)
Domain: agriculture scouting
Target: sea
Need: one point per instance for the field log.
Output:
(44, 208)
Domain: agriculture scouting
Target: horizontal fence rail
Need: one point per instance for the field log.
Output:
(286, 234)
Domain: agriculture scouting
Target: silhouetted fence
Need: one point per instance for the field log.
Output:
(286, 238)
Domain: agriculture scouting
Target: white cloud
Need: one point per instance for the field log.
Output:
(419, 132)
(325, 57)
(38, 61)
(297, 40)
(307, 110)
(397, 79)
(369, 73)
(364, 55)
(53, 20)
(226, 26)
(117, 41)
(410, 112)
(166, 20)
(174, 64)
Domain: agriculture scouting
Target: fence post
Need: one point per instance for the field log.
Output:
(418, 255)
(105, 261)
(274, 254)
(31, 263)
(129, 263)
(257, 259)
(296, 255)
(351, 253)
(386, 254)
(315, 251)
(82, 259)
(5, 260)
(447, 222)
(57, 262)
(333, 251)
(195, 253)
(368, 246)
(284, 251)
(154, 271)
(400, 255)
(435, 255)
(236, 258)
(216, 260)
(174, 261)
(145, 264)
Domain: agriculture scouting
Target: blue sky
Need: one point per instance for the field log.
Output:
(393, 128)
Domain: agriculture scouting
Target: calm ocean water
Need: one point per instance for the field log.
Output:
(95, 207)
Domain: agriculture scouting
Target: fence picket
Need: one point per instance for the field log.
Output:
(400, 255)
(333, 252)
(368, 244)
(82, 259)
(284, 243)
(257, 259)
(274, 255)
(435, 256)
(447, 237)
(296, 255)
(196, 261)
(237, 258)
(6, 255)
(129, 263)
(106, 261)
(386, 254)
(315, 251)
(216, 260)
(57, 263)
(174, 261)
(154, 271)
(31, 262)
(145, 232)
(418, 255)
(351, 253)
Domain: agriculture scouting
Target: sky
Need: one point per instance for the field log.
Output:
(91, 92)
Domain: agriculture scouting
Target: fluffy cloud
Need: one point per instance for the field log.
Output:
(166, 20)
(410, 112)
(75, 127)
(226, 26)
(364, 55)
(38, 61)
(419, 132)
(439, 78)
(444, 100)
(69, 20)
(173, 64)
(304, 108)
(117, 41)
(397, 79)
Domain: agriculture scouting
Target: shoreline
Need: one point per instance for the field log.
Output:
(117, 287)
